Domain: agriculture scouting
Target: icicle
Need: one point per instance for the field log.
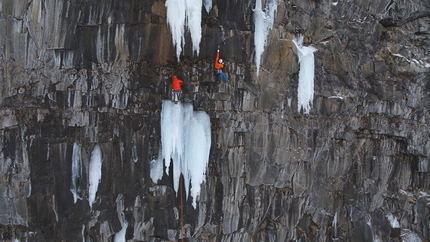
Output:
(334, 224)
(95, 174)
(208, 5)
(181, 14)
(134, 148)
(194, 19)
(176, 20)
(76, 172)
(263, 24)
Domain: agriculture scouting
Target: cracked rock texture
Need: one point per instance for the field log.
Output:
(356, 168)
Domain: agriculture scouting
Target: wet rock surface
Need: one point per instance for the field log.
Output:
(95, 72)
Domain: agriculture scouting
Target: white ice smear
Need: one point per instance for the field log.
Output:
(120, 235)
(76, 171)
(181, 14)
(334, 224)
(418, 63)
(263, 24)
(95, 174)
(423, 194)
(156, 167)
(305, 89)
(134, 148)
(186, 140)
(259, 35)
(393, 221)
(409, 236)
(223, 37)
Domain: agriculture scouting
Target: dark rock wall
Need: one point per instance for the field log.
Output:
(95, 72)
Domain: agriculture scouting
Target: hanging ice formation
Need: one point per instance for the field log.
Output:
(305, 89)
(95, 174)
(76, 172)
(186, 140)
(263, 24)
(185, 13)
(208, 5)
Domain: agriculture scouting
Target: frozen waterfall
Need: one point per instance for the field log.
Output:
(305, 89)
(186, 140)
(95, 174)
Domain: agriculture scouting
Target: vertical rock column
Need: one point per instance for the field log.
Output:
(15, 184)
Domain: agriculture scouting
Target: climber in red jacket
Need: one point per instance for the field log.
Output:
(218, 65)
(176, 89)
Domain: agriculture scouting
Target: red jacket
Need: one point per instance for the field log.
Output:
(176, 83)
(216, 64)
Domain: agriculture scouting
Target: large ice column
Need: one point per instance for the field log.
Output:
(171, 138)
(196, 151)
(181, 14)
(305, 89)
(95, 174)
(186, 140)
(76, 172)
(263, 21)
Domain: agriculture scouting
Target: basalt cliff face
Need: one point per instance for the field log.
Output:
(356, 168)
